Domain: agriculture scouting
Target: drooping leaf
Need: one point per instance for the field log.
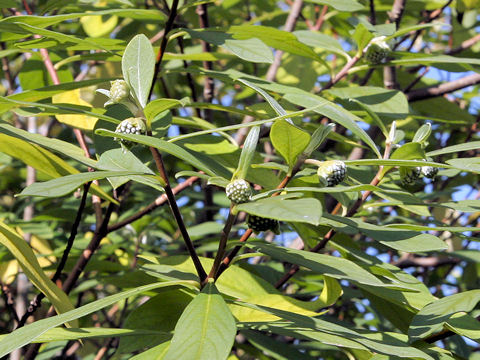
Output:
(29, 263)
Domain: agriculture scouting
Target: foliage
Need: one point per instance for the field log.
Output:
(125, 232)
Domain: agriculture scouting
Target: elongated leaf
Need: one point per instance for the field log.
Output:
(273, 103)
(248, 152)
(322, 41)
(362, 37)
(289, 140)
(472, 145)
(206, 330)
(318, 136)
(385, 343)
(212, 169)
(27, 260)
(432, 317)
(138, 64)
(398, 239)
(335, 267)
(29, 333)
(58, 334)
(340, 5)
(306, 210)
(335, 113)
(67, 184)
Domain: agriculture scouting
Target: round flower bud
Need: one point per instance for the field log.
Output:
(409, 175)
(377, 50)
(130, 126)
(429, 171)
(332, 172)
(239, 191)
(119, 91)
(259, 224)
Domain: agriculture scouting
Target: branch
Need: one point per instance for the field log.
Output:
(209, 86)
(162, 199)
(425, 262)
(178, 216)
(342, 73)
(444, 88)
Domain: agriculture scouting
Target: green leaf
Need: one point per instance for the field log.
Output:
(206, 330)
(58, 334)
(398, 239)
(318, 137)
(276, 349)
(376, 119)
(138, 63)
(160, 313)
(212, 168)
(120, 160)
(278, 39)
(432, 317)
(157, 352)
(248, 152)
(387, 343)
(464, 325)
(29, 263)
(289, 140)
(362, 37)
(322, 41)
(305, 210)
(273, 103)
(66, 184)
(335, 267)
(340, 5)
(30, 332)
(251, 49)
(156, 107)
(472, 145)
(333, 112)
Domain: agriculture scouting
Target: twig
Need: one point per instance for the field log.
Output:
(444, 88)
(373, 17)
(342, 73)
(209, 86)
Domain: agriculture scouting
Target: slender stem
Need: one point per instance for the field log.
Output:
(444, 88)
(222, 244)
(163, 44)
(178, 216)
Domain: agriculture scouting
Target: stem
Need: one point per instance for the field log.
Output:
(178, 216)
(222, 245)
(342, 72)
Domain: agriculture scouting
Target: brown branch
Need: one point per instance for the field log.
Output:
(9, 301)
(464, 45)
(395, 16)
(425, 262)
(343, 72)
(162, 199)
(444, 88)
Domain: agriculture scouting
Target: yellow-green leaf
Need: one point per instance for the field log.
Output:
(79, 121)
(25, 256)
